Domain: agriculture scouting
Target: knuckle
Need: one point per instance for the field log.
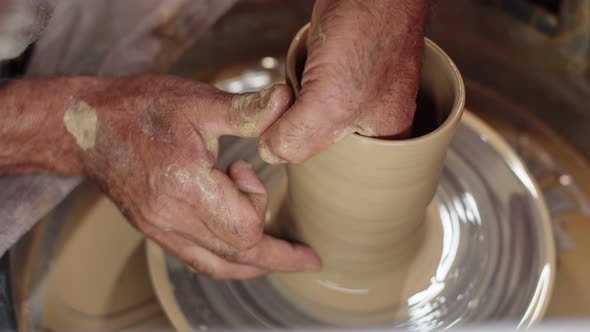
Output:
(253, 224)
(247, 256)
(329, 100)
(229, 253)
(211, 270)
(252, 231)
(333, 114)
(243, 242)
(240, 253)
(240, 256)
(297, 151)
(286, 149)
(245, 231)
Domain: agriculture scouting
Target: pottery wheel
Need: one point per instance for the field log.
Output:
(493, 256)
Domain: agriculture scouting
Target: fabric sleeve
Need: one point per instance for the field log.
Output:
(21, 23)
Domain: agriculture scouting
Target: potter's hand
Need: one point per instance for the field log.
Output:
(155, 148)
(361, 75)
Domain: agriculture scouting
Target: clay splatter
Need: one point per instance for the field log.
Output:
(147, 125)
(200, 177)
(366, 131)
(180, 174)
(211, 141)
(250, 106)
(207, 186)
(341, 133)
(81, 122)
(319, 34)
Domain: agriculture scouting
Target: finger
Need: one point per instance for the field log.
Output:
(392, 111)
(205, 262)
(267, 252)
(313, 123)
(216, 204)
(277, 255)
(248, 183)
(230, 214)
(247, 114)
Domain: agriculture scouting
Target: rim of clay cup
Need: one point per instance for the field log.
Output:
(451, 120)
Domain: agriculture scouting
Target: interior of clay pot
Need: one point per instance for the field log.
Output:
(441, 93)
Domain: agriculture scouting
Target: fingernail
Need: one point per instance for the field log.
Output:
(313, 262)
(268, 156)
(314, 266)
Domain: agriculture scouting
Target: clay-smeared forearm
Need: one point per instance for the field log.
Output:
(34, 136)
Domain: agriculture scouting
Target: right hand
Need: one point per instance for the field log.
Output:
(154, 154)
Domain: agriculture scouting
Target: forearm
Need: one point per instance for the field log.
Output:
(36, 135)
(392, 25)
(378, 18)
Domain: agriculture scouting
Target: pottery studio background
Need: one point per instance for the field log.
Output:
(526, 69)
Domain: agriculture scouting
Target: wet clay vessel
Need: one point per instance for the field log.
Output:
(362, 204)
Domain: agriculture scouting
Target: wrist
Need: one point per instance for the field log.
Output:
(33, 134)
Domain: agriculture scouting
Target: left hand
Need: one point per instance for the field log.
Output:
(361, 75)
(154, 151)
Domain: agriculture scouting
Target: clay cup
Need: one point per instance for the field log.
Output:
(361, 203)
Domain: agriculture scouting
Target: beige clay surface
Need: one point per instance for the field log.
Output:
(333, 292)
(98, 279)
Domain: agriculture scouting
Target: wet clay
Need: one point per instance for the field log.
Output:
(98, 276)
(350, 298)
(81, 122)
(365, 205)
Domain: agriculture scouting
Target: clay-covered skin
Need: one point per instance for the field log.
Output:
(361, 76)
(150, 142)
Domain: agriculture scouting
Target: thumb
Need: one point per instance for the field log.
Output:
(247, 114)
